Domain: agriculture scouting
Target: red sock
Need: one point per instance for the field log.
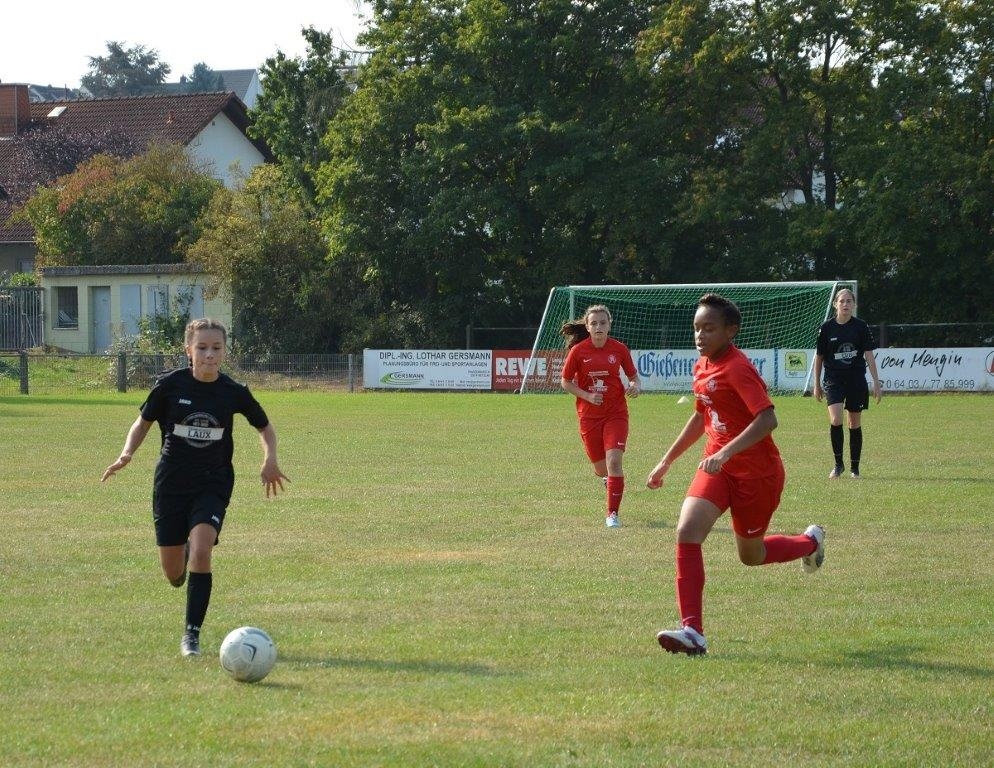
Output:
(615, 490)
(690, 585)
(783, 549)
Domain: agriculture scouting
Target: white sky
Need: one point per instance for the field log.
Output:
(51, 42)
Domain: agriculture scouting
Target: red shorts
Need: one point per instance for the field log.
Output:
(752, 500)
(601, 435)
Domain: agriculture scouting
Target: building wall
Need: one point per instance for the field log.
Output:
(225, 149)
(17, 257)
(131, 295)
(251, 94)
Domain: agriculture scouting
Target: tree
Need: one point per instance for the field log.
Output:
(40, 156)
(141, 210)
(493, 149)
(869, 111)
(260, 244)
(203, 79)
(299, 98)
(124, 71)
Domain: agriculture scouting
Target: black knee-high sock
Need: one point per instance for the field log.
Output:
(855, 447)
(198, 597)
(835, 432)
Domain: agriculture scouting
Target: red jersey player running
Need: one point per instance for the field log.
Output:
(591, 374)
(741, 471)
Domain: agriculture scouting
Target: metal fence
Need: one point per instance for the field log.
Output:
(41, 374)
(21, 317)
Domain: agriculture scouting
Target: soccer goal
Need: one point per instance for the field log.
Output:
(780, 324)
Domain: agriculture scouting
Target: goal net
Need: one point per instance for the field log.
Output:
(779, 329)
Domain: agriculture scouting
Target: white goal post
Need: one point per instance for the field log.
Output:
(779, 330)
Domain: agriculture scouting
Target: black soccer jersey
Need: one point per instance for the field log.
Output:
(196, 417)
(841, 346)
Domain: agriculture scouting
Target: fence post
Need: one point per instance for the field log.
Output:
(122, 372)
(351, 375)
(882, 341)
(24, 372)
(469, 336)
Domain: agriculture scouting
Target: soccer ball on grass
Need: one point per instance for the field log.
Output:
(248, 654)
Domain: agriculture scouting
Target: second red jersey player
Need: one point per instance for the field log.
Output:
(592, 373)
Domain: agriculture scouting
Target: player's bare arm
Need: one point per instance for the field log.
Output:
(871, 364)
(634, 387)
(136, 436)
(817, 378)
(594, 398)
(689, 435)
(270, 474)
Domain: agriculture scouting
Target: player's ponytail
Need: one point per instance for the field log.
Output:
(574, 331)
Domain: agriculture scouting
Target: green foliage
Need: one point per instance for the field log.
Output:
(124, 71)
(204, 79)
(19, 279)
(299, 98)
(261, 244)
(141, 210)
(493, 149)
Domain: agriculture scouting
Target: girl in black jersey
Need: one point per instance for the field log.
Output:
(195, 409)
(845, 351)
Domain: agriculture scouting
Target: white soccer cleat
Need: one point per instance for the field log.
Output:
(684, 640)
(811, 563)
(612, 521)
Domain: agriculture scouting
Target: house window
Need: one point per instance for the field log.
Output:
(190, 299)
(67, 307)
(157, 300)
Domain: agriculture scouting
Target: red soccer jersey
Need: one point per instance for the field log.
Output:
(597, 370)
(729, 393)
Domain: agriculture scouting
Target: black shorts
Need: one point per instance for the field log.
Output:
(849, 389)
(181, 501)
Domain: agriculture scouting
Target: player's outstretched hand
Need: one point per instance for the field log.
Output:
(633, 389)
(272, 478)
(122, 461)
(655, 479)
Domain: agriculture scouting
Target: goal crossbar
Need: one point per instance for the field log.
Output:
(780, 323)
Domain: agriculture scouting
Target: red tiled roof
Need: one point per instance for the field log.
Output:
(18, 232)
(143, 119)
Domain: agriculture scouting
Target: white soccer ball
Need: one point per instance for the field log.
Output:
(247, 654)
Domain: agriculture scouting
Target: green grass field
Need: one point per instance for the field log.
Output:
(442, 591)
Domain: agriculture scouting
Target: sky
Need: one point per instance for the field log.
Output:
(50, 43)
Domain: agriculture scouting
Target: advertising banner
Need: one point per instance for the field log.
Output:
(426, 369)
(901, 370)
(510, 365)
(966, 369)
(672, 370)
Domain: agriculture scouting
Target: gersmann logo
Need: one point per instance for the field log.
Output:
(402, 379)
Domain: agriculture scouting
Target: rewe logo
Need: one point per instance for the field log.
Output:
(518, 366)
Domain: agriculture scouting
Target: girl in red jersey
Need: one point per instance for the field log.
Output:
(591, 374)
(741, 470)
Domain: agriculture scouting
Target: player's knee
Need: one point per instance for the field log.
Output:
(752, 558)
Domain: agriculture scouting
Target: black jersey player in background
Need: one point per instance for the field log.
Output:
(194, 478)
(845, 351)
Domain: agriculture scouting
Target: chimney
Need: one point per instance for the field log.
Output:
(15, 109)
